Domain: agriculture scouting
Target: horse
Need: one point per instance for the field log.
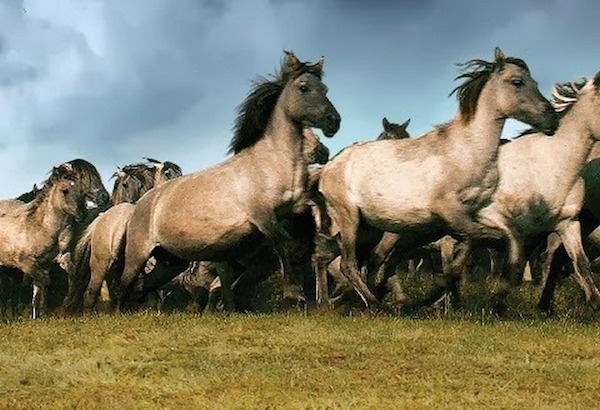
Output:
(432, 185)
(326, 259)
(393, 131)
(87, 176)
(199, 282)
(533, 201)
(98, 253)
(186, 219)
(29, 232)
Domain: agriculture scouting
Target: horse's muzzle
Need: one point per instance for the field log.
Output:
(331, 125)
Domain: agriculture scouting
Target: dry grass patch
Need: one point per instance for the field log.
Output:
(296, 361)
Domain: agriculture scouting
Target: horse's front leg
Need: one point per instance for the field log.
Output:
(326, 251)
(41, 280)
(570, 234)
(512, 276)
(280, 240)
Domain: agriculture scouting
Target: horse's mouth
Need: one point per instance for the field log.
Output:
(329, 132)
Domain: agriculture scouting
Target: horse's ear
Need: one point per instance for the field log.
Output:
(385, 123)
(597, 80)
(291, 61)
(498, 54)
(405, 124)
(67, 166)
(318, 66)
(499, 57)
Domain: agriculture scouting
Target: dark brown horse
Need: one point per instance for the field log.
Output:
(186, 219)
(98, 254)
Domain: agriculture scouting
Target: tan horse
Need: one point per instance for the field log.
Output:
(326, 259)
(29, 233)
(533, 200)
(188, 219)
(423, 188)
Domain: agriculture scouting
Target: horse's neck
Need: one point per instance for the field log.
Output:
(476, 142)
(282, 148)
(573, 140)
(52, 220)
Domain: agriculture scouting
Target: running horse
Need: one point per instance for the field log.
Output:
(420, 189)
(186, 219)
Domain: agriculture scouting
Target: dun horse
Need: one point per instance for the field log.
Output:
(29, 233)
(85, 175)
(186, 219)
(534, 200)
(424, 188)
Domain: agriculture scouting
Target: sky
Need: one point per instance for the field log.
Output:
(112, 81)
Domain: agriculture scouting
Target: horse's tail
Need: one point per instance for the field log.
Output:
(79, 280)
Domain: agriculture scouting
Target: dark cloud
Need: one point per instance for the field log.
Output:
(112, 81)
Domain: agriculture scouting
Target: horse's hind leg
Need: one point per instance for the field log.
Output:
(570, 233)
(135, 261)
(349, 264)
(100, 270)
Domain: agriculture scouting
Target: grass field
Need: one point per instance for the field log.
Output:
(152, 360)
(314, 360)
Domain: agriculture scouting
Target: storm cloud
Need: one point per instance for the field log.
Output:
(112, 81)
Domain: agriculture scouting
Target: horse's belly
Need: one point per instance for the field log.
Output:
(205, 242)
(396, 216)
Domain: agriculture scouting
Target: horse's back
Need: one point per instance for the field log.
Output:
(387, 180)
(11, 207)
(199, 213)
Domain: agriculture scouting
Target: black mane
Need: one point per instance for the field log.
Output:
(476, 74)
(254, 112)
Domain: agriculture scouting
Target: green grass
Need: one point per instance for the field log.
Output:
(295, 361)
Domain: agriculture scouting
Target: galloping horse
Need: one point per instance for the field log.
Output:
(186, 219)
(423, 188)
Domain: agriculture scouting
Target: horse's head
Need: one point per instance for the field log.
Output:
(315, 152)
(393, 131)
(507, 84)
(89, 178)
(305, 96)
(68, 196)
(131, 182)
(164, 171)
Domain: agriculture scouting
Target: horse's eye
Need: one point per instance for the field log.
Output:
(304, 88)
(65, 192)
(517, 82)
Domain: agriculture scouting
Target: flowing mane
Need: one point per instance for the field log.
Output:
(564, 95)
(173, 166)
(476, 73)
(254, 112)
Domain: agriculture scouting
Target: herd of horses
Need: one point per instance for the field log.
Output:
(280, 206)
